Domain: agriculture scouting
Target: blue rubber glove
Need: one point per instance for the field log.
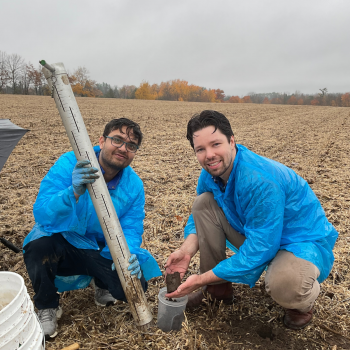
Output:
(82, 176)
(134, 266)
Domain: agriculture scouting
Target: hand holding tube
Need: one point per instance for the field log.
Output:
(82, 176)
(134, 266)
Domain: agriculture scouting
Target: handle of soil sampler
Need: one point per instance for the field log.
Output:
(47, 66)
(9, 245)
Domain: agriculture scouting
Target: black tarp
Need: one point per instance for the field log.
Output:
(10, 134)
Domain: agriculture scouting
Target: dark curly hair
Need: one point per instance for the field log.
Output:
(208, 118)
(115, 124)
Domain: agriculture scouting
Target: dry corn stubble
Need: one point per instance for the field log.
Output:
(314, 141)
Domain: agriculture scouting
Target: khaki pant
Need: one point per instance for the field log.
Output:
(290, 281)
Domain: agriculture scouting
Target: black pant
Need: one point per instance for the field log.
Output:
(47, 257)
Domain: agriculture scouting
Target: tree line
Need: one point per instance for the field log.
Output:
(19, 77)
(323, 98)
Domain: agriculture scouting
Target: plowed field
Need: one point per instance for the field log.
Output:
(314, 141)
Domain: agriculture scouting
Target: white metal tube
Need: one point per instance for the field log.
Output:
(73, 122)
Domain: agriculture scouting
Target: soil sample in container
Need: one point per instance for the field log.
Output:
(3, 305)
(172, 281)
(6, 298)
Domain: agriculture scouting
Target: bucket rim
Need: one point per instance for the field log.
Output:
(24, 311)
(180, 302)
(5, 319)
(4, 273)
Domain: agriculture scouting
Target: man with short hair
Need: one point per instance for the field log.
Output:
(66, 247)
(261, 209)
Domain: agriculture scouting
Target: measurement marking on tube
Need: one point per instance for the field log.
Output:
(92, 185)
(87, 154)
(76, 143)
(120, 248)
(59, 97)
(107, 229)
(105, 205)
(74, 119)
(93, 190)
(121, 269)
(132, 281)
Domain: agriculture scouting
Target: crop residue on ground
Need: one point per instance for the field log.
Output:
(314, 141)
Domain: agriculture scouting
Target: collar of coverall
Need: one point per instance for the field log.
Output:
(111, 185)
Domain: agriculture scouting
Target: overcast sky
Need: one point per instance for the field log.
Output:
(238, 46)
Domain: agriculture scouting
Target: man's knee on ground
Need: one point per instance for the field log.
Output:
(41, 248)
(117, 291)
(291, 292)
(202, 201)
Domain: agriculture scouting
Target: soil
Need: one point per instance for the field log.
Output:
(6, 298)
(3, 305)
(172, 281)
(312, 140)
(171, 299)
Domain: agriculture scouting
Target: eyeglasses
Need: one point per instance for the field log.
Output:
(118, 142)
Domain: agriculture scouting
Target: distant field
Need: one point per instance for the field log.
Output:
(314, 141)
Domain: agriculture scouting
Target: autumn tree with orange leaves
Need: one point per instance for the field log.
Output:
(237, 99)
(145, 92)
(234, 99)
(292, 101)
(82, 85)
(345, 99)
(276, 101)
(219, 95)
(177, 90)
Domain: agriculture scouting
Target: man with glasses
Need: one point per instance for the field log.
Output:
(263, 211)
(66, 247)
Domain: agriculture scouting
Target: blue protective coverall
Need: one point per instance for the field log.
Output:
(56, 210)
(274, 208)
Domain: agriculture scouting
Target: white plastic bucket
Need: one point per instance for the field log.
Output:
(19, 326)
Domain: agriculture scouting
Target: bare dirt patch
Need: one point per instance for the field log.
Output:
(314, 141)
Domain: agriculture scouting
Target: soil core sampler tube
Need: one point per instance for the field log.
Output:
(66, 103)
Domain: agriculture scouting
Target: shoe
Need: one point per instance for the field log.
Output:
(196, 298)
(223, 291)
(103, 297)
(295, 319)
(48, 319)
